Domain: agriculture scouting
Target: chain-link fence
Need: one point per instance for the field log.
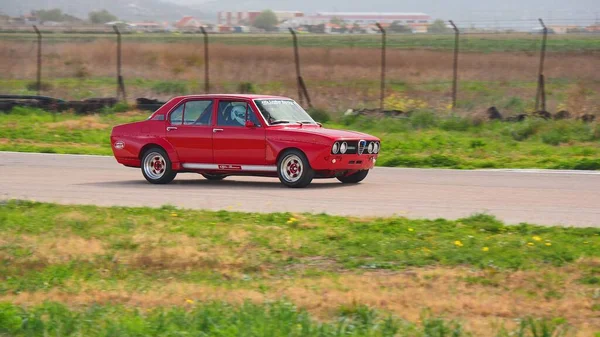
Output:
(329, 71)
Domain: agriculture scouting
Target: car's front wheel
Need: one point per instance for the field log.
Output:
(294, 169)
(156, 166)
(354, 178)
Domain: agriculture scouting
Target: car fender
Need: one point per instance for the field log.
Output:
(311, 149)
(171, 152)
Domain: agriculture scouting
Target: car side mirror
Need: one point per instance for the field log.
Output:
(250, 124)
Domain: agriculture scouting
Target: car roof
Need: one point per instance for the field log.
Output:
(243, 96)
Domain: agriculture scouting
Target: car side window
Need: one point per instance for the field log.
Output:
(198, 112)
(233, 113)
(176, 116)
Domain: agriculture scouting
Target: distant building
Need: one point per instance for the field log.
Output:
(147, 26)
(593, 28)
(562, 29)
(418, 22)
(248, 17)
(188, 23)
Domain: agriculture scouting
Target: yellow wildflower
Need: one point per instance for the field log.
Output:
(411, 230)
(530, 244)
(174, 215)
(548, 244)
(187, 300)
(537, 238)
(485, 249)
(458, 243)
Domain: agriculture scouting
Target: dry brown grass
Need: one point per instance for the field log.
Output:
(406, 294)
(85, 123)
(261, 64)
(323, 68)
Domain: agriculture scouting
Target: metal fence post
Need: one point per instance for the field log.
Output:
(120, 83)
(455, 73)
(383, 65)
(297, 62)
(39, 60)
(206, 68)
(302, 91)
(541, 94)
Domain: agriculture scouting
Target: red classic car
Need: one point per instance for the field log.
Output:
(225, 135)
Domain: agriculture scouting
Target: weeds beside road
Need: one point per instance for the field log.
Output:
(126, 270)
(422, 140)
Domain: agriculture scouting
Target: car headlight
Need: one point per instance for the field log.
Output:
(335, 148)
(371, 147)
(376, 148)
(343, 148)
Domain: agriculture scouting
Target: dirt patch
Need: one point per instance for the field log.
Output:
(446, 292)
(84, 123)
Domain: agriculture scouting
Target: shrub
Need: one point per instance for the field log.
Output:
(486, 222)
(33, 86)
(168, 87)
(319, 115)
(524, 130)
(423, 120)
(247, 88)
(455, 123)
(555, 137)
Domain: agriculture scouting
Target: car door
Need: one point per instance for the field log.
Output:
(235, 143)
(189, 130)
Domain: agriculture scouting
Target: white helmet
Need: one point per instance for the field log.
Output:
(238, 114)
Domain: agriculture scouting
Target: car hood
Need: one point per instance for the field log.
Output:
(330, 133)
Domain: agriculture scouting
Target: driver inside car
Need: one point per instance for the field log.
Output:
(238, 115)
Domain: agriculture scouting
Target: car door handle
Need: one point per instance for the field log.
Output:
(217, 130)
(169, 128)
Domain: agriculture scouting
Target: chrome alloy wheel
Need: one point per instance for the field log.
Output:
(291, 168)
(154, 165)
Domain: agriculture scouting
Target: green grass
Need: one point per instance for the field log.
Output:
(381, 243)
(224, 320)
(423, 140)
(97, 271)
(472, 42)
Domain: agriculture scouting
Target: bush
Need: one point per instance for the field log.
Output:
(168, 87)
(555, 137)
(247, 88)
(423, 120)
(455, 123)
(522, 131)
(33, 86)
(319, 115)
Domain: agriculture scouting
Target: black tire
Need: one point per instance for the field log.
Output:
(162, 174)
(293, 169)
(354, 178)
(213, 176)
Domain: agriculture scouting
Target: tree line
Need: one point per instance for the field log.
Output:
(57, 15)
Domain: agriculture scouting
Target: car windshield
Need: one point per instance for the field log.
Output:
(283, 111)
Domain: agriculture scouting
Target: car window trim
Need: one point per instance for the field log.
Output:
(183, 102)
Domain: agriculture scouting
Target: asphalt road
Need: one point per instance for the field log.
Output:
(534, 196)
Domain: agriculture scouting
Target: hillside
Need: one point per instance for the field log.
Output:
(134, 10)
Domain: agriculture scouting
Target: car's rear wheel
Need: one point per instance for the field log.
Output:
(213, 176)
(294, 169)
(354, 178)
(156, 166)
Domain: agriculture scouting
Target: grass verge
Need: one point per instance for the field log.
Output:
(147, 269)
(422, 140)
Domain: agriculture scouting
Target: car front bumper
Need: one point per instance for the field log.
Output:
(344, 162)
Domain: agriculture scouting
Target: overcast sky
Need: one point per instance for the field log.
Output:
(471, 10)
(498, 13)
